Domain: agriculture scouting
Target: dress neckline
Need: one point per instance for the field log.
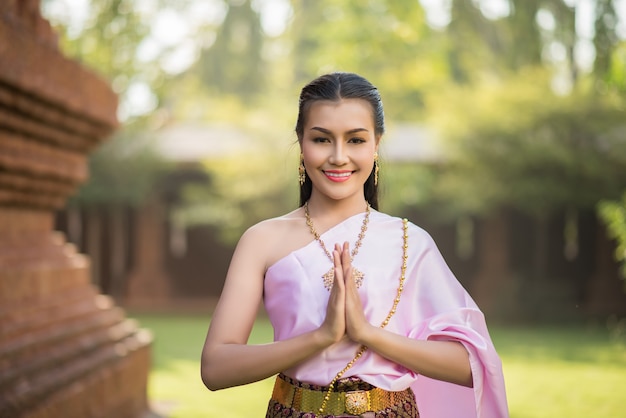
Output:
(343, 224)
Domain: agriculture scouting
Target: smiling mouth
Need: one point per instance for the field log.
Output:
(338, 176)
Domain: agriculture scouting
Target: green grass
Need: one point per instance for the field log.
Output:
(550, 372)
(563, 371)
(175, 388)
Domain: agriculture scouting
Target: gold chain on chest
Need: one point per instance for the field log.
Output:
(329, 277)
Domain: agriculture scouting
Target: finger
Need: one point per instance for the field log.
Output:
(340, 250)
(337, 258)
(346, 261)
(339, 272)
(345, 254)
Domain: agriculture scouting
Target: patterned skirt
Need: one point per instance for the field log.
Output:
(351, 397)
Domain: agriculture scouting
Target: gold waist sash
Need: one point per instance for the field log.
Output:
(353, 402)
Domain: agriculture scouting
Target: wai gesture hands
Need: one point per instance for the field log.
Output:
(344, 314)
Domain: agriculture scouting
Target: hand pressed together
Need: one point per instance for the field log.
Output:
(334, 326)
(344, 315)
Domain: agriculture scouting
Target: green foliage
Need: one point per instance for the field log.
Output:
(406, 185)
(233, 63)
(387, 41)
(514, 143)
(107, 41)
(605, 39)
(615, 79)
(613, 213)
(505, 44)
(486, 82)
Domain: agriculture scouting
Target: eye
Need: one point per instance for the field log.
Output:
(320, 139)
(356, 140)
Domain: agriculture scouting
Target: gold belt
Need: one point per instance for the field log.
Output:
(354, 402)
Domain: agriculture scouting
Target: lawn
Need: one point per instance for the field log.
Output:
(550, 371)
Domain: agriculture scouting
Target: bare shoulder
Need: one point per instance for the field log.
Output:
(273, 228)
(276, 237)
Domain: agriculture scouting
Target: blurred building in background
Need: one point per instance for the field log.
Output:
(514, 266)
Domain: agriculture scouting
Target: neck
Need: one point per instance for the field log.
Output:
(336, 209)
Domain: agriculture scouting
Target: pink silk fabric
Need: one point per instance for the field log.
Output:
(433, 306)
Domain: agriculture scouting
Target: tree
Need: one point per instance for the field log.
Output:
(525, 143)
(605, 40)
(388, 41)
(233, 64)
(512, 143)
(106, 41)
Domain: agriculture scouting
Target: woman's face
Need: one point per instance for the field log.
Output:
(338, 145)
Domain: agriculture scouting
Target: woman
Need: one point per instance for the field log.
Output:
(368, 319)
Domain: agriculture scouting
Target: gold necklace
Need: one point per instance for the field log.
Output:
(329, 276)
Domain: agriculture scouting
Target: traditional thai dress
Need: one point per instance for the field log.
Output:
(433, 306)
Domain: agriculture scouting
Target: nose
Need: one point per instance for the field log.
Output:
(339, 154)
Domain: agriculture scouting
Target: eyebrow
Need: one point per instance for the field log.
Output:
(327, 132)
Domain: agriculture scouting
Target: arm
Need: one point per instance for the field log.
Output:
(227, 359)
(441, 360)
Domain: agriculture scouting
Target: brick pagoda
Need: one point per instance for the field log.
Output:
(65, 350)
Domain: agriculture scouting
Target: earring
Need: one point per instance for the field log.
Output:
(376, 168)
(301, 171)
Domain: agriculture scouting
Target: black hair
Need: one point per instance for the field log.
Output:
(334, 87)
